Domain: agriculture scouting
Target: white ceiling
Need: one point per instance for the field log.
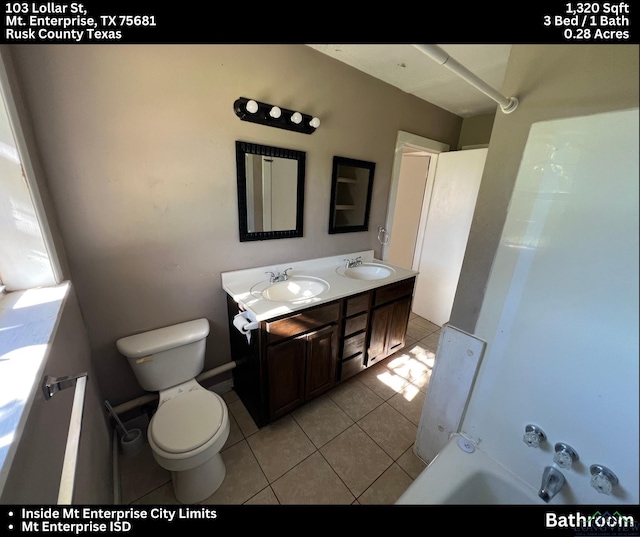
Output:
(409, 69)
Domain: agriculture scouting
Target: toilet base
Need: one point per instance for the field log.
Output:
(197, 484)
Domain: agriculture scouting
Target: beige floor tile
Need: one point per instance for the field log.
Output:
(279, 446)
(421, 353)
(387, 488)
(410, 364)
(140, 474)
(423, 382)
(355, 398)
(421, 321)
(327, 488)
(235, 434)
(411, 463)
(244, 477)
(161, 496)
(409, 341)
(389, 429)
(356, 458)
(230, 397)
(431, 341)
(321, 420)
(382, 381)
(265, 497)
(409, 403)
(242, 416)
(415, 330)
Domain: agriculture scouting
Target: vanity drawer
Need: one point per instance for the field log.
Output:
(355, 324)
(353, 345)
(298, 323)
(352, 367)
(392, 292)
(357, 304)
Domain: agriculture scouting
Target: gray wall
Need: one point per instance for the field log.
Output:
(137, 145)
(476, 130)
(34, 477)
(550, 81)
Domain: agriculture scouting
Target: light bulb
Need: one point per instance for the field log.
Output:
(275, 112)
(296, 118)
(315, 123)
(252, 107)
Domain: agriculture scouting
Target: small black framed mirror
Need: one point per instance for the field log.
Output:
(351, 188)
(270, 191)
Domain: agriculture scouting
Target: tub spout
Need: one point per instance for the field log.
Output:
(552, 482)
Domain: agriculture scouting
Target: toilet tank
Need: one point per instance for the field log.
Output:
(167, 356)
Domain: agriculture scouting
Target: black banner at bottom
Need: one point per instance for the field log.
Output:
(575, 521)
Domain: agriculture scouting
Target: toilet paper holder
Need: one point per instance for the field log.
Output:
(245, 325)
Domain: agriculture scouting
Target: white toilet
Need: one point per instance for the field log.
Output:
(191, 424)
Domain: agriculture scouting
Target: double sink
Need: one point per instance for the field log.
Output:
(267, 292)
(301, 287)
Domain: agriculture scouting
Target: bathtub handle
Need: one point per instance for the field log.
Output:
(533, 435)
(602, 479)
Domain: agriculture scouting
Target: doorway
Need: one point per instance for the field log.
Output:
(431, 236)
(411, 182)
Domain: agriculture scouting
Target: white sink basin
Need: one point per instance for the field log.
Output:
(296, 288)
(366, 271)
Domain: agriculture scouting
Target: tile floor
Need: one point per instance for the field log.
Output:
(352, 445)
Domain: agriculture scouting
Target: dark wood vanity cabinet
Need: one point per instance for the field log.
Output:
(300, 369)
(391, 307)
(288, 361)
(294, 358)
(301, 357)
(355, 333)
(388, 329)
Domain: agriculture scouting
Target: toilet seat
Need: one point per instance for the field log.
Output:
(187, 421)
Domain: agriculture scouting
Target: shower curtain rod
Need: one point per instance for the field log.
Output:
(507, 104)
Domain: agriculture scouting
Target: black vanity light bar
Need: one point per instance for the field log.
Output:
(274, 116)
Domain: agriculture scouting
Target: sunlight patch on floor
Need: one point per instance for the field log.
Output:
(410, 391)
(409, 371)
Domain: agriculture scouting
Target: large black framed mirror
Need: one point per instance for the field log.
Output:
(270, 191)
(351, 188)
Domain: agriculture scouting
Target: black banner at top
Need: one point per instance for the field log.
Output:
(143, 22)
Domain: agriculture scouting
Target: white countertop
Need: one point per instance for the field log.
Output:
(239, 283)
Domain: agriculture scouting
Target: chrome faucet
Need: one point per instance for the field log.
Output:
(278, 276)
(552, 482)
(350, 263)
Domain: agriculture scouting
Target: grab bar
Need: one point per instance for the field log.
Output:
(51, 386)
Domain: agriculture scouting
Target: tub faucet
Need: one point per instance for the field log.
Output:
(552, 482)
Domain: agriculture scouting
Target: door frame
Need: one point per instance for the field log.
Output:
(414, 141)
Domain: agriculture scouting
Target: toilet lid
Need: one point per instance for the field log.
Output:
(186, 421)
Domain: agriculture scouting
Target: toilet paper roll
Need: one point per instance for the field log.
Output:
(244, 325)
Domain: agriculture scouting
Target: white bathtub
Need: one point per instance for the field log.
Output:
(456, 476)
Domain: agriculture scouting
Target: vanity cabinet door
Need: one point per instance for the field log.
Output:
(380, 319)
(388, 329)
(300, 369)
(286, 373)
(398, 323)
(322, 361)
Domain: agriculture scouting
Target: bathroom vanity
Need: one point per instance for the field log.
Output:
(300, 328)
